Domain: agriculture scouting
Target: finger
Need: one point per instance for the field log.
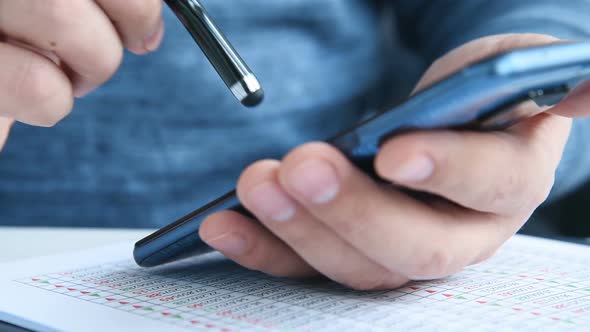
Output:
(139, 22)
(5, 124)
(261, 193)
(33, 89)
(388, 227)
(503, 173)
(77, 31)
(249, 244)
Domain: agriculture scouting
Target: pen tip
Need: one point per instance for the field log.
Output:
(254, 98)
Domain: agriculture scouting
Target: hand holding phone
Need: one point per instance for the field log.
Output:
(483, 96)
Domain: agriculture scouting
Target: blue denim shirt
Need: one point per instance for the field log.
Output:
(165, 136)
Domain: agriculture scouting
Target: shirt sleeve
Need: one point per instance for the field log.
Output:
(433, 27)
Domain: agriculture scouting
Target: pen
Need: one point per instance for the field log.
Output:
(224, 58)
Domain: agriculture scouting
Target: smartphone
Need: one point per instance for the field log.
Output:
(484, 96)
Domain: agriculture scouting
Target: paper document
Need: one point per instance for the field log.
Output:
(530, 285)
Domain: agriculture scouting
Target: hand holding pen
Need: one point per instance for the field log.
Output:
(47, 59)
(52, 52)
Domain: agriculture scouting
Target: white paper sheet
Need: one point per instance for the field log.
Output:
(530, 285)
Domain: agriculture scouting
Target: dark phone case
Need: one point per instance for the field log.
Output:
(484, 96)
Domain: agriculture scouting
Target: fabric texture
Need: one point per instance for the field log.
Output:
(165, 136)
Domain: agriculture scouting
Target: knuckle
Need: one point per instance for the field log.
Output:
(519, 192)
(508, 193)
(432, 263)
(60, 14)
(63, 19)
(35, 89)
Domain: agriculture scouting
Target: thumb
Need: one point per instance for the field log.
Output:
(5, 125)
(477, 50)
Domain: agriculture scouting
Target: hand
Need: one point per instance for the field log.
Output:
(52, 51)
(320, 214)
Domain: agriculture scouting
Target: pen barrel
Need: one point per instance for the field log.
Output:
(227, 62)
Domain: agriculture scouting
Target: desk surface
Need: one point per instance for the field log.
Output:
(18, 242)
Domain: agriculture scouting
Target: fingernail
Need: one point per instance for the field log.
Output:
(315, 180)
(152, 41)
(416, 169)
(269, 200)
(229, 243)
